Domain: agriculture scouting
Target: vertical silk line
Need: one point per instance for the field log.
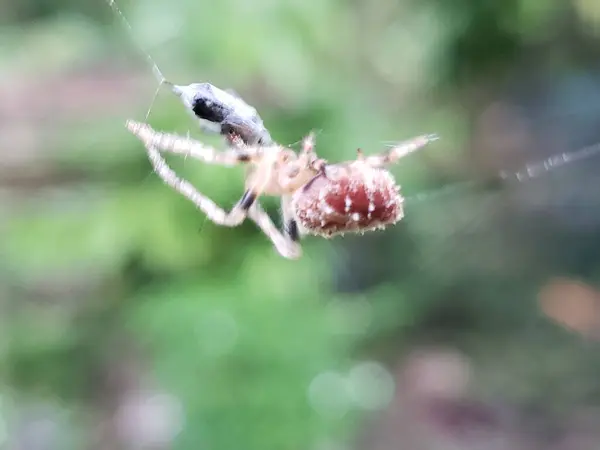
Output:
(155, 69)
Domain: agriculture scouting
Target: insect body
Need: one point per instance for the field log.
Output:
(224, 112)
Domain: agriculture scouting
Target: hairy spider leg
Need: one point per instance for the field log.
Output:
(173, 143)
(285, 244)
(398, 151)
(156, 141)
(290, 224)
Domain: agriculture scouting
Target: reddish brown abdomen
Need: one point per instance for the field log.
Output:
(348, 198)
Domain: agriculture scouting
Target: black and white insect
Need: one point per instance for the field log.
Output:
(219, 111)
(223, 112)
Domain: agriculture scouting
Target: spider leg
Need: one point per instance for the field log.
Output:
(173, 143)
(285, 245)
(398, 151)
(290, 225)
(308, 143)
(308, 156)
(215, 213)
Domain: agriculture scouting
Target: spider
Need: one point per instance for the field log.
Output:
(317, 198)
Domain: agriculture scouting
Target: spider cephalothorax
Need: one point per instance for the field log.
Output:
(316, 197)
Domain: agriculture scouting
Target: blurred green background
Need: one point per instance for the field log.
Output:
(129, 321)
